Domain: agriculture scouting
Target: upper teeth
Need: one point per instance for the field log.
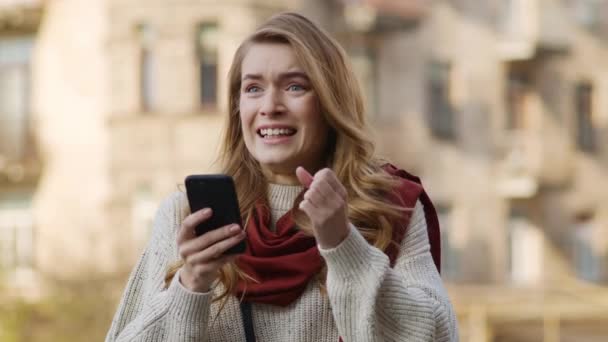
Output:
(276, 131)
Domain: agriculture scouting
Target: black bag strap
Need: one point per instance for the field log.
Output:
(247, 321)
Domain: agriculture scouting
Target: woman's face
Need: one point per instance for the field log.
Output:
(283, 127)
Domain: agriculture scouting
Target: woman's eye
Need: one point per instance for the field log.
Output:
(252, 89)
(295, 87)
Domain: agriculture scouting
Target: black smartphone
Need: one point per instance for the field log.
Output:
(218, 193)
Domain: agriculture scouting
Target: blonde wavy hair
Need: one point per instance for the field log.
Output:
(350, 153)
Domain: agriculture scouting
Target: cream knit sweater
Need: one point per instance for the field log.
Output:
(366, 301)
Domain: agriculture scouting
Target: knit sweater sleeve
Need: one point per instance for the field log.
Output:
(373, 302)
(147, 311)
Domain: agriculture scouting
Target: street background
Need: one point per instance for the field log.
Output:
(500, 106)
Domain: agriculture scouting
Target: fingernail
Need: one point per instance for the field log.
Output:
(234, 228)
(206, 211)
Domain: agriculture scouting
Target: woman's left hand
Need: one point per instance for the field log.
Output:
(325, 203)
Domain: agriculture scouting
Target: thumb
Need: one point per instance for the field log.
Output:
(304, 176)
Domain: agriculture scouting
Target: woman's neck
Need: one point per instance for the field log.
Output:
(287, 175)
(281, 178)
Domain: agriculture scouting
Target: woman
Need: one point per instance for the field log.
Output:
(338, 247)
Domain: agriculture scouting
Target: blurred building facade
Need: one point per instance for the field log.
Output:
(20, 159)
(500, 106)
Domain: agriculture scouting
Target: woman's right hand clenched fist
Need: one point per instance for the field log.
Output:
(203, 256)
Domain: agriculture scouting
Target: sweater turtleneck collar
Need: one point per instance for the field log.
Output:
(281, 198)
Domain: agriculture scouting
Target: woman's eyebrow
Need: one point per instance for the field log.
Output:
(292, 74)
(252, 77)
(282, 76)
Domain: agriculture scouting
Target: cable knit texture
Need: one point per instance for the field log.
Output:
(366, 300)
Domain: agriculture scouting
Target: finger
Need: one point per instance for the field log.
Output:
(202, 242)
(332, 179)
(315, 196)
(307, 207)
(304, 176)
(323, 194)
(216, 250)
(322, 186)
(186, 231)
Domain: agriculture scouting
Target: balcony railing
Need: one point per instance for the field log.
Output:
(25, 167)
(531, 25)
(383, 15)
(531, 158)
(520, 164)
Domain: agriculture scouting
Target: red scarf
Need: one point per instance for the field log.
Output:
(284, 261)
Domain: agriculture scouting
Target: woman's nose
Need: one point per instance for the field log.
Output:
(272, 103)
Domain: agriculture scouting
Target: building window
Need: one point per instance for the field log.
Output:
(440, 110)
(525, 249)
(518, 92)
(587, 251)
(452, 245)
(584, 116)
(147, 67)
(15, 57)
(207, 52)
(16, 233)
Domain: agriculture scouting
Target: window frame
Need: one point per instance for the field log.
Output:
(147, 67)
(207, 101)
(586, 137)
(17, 220)
(441, 115)
(18, 59)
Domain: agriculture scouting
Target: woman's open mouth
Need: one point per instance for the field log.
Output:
(272, 133)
